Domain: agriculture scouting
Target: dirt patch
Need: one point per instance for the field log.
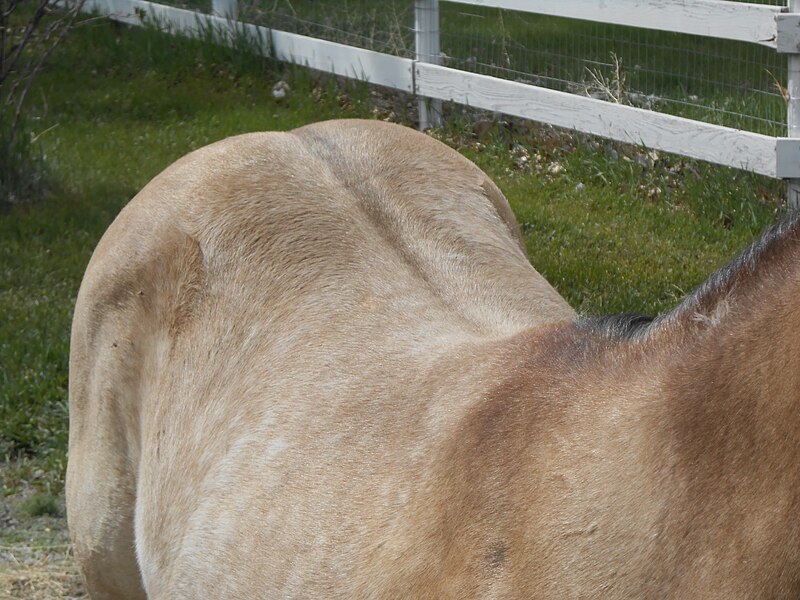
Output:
(41, 581)
(36, 560)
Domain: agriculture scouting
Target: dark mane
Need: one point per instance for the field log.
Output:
(621, 327)
(726, 279)
(705, 298)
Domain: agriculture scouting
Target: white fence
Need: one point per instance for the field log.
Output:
(771, 26)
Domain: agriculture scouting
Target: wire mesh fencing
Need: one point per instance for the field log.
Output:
(723, 82)
(736, 84)
(386, 26)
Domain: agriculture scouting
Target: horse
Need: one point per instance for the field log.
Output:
(318, 363)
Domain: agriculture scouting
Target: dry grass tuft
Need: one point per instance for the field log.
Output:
(52, 576)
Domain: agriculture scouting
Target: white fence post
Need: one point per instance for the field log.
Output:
(227, 9)
(426, 26)
(793, 112)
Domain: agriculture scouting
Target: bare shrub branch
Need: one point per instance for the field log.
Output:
(29, 32)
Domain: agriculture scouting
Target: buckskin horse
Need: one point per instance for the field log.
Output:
(318, 364)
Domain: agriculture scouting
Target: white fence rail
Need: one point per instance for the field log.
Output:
(749, 151)
(777, 157)
(710, 18)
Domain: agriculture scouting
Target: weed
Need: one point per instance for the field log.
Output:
(40, 505)
(613, 87)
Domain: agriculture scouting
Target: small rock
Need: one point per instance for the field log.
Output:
(643, 161)
(580, 188)
(280, 90)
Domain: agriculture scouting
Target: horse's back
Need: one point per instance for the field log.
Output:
(268, 346)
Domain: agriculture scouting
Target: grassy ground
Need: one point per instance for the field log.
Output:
(613, 228)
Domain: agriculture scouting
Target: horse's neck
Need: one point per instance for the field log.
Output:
(732, 372)
(670, 455)
(730, 353)
(730, 410)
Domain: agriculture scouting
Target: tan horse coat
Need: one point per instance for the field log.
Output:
(318, 364)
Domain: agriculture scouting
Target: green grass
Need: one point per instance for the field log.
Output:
(613, 235)
(118, 105)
